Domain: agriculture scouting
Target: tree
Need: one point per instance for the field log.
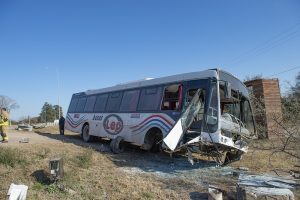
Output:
(58, 111)
(259, 112)
(291, 102)
(296, 89)
(288, 129)
(253, 77)
(48, 113)
(8, 103)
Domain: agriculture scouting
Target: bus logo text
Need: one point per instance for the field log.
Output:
(113, 124)
(98, 117)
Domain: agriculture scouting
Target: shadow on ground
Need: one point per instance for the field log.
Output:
(42, 177)
(134, 157)
(198, 196)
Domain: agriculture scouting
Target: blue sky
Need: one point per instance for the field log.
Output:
(93, 44)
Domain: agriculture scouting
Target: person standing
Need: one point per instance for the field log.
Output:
(4, 124)
(61, 124)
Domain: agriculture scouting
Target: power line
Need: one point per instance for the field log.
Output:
(269, 44)
(291, 69)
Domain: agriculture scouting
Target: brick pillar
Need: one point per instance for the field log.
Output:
(268, 90)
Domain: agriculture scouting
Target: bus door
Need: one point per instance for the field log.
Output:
(172, 100)
(188, 126)
(191, 89)
(185, 121)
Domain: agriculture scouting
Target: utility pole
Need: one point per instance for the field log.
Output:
(57, 75)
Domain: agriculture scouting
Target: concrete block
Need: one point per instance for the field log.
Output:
(214, 193)
(264, 193)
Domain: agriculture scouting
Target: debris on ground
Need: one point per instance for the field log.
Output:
(24, 140)
(295, 174)
(17, 192)
(257, 193)
(214, 193)
(243, 168)
(265, 187)
(266, 181)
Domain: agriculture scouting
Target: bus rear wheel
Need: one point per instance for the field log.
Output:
(117, 145)
(86, 134)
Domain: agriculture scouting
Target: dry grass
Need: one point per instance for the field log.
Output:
(260, 159)
(11, 157)
(84, 159)
(88, 175)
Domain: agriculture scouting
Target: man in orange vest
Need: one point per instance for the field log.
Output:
(4, 124)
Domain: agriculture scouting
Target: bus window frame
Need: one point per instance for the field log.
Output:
(92, 111)
(136, 105)
(138, 109)
(121, 93)
(104, 109)
(180, 96)
(73, 98)
(82, 97)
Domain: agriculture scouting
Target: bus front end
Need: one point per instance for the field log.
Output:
(217, 122)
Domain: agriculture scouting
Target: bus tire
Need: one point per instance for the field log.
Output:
(152, 141)
(116, 145)
(157, 143)
(85, 133)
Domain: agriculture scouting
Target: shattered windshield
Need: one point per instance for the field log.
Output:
(236, 116)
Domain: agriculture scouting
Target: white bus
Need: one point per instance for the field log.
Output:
(206, 112)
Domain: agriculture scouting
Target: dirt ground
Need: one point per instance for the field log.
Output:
(134, 174)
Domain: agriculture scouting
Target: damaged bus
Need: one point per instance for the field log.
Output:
(205, 112)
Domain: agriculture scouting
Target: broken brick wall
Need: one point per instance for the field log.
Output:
(269, 92)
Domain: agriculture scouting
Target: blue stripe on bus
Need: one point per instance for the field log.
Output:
(153, 125)
(151, 121)
(73, 122)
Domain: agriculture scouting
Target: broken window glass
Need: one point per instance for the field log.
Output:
(172, 97)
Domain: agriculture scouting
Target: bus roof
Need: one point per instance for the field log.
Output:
(157, 81)
(223, 75)
(236, 84)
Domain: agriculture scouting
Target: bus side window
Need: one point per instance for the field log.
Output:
(100, 103)
(130, 101)
(73, 105)
(90, 103)
(114, 101)
(81, 104)
(172, 98)
(150, 99)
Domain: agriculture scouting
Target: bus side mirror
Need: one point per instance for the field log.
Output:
(227, 93)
